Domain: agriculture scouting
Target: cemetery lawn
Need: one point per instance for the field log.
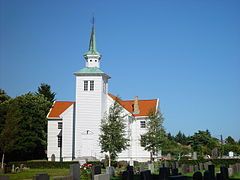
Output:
(28, 174)
(236, 176)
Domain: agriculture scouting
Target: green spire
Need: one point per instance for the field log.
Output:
(92, 50)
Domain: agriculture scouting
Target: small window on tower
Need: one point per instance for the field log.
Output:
(59, 125)
(85, 85)
(95, 60)
(104, 87)
(91, 85)
(59, 141)
(143, 124)
(90, 60)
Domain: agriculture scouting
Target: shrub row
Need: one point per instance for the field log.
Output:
(217, 162)
(42, 164)
(49, 164)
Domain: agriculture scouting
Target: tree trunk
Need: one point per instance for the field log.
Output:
(151, 157)
(109, 159)
(2, 161)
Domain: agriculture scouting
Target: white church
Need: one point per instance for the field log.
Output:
(74, 126)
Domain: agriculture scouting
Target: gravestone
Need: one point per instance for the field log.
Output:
(177, 165)
(129, 168)
(169, 157)
(206, 175)
(224, 172)
(145, 175)
(127, 175)
(96, 170)
(102, 177)
(197, 176)
(200, 166)
(53, 157)
(238, 167)
(196, 168)
(13, 168)
(21, 167)
(191, 168)
(175, 172)
(166, 164)
(184, 168)
(230, 172)
(41, 176)
(141, 167)
(75, 171)
(219, 176)
(178, 177)
(110, 170)
(234, 168)
(211, 169)
(151, 167)
(4, 177)
(194, 155)
(62, 178)
(164, 173)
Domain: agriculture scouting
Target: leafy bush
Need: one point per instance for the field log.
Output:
(42, 164)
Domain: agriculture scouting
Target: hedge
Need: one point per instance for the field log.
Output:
(42, 164)
(50, 164)
(217, 162)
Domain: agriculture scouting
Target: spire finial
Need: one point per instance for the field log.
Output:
(93, 20)
(92, 50)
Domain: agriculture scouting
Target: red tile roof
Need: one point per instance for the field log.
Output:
(145, 106)
(58, 108)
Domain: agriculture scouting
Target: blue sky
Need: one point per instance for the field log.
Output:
(184, 52)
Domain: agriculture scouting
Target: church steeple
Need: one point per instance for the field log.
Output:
(92, 56)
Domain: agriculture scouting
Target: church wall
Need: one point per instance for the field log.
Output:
(138, 152)
(88, 117)
(67, 134)
(52, 139)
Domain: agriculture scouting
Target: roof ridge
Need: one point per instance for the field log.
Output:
(141, 100)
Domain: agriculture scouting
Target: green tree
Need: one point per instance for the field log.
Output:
(203, 143)
(181, 138)
(46, 91)
(26, 117)
(113, 134)
(4, 102)
(230, 140)
(3, 96)
(176, 149)
(231, 145)
(155, 137)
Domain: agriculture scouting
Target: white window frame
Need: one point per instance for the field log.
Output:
(85, 85)
(91, 85)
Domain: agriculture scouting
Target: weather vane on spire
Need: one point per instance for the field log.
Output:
(93, 20)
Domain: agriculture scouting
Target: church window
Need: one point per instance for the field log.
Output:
(59, 141)
(91, 85)
(90, 60)
(95, 60)
(85, 85)
(104, 87)
(59, 125)
(143, 124)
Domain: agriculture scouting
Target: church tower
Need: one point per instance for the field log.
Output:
(91, 103)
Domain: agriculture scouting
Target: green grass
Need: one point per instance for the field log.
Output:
(236, 176)
(28, 174)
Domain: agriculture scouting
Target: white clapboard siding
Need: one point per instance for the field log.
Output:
(90, 107)
(52, 139)
(67, 134)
